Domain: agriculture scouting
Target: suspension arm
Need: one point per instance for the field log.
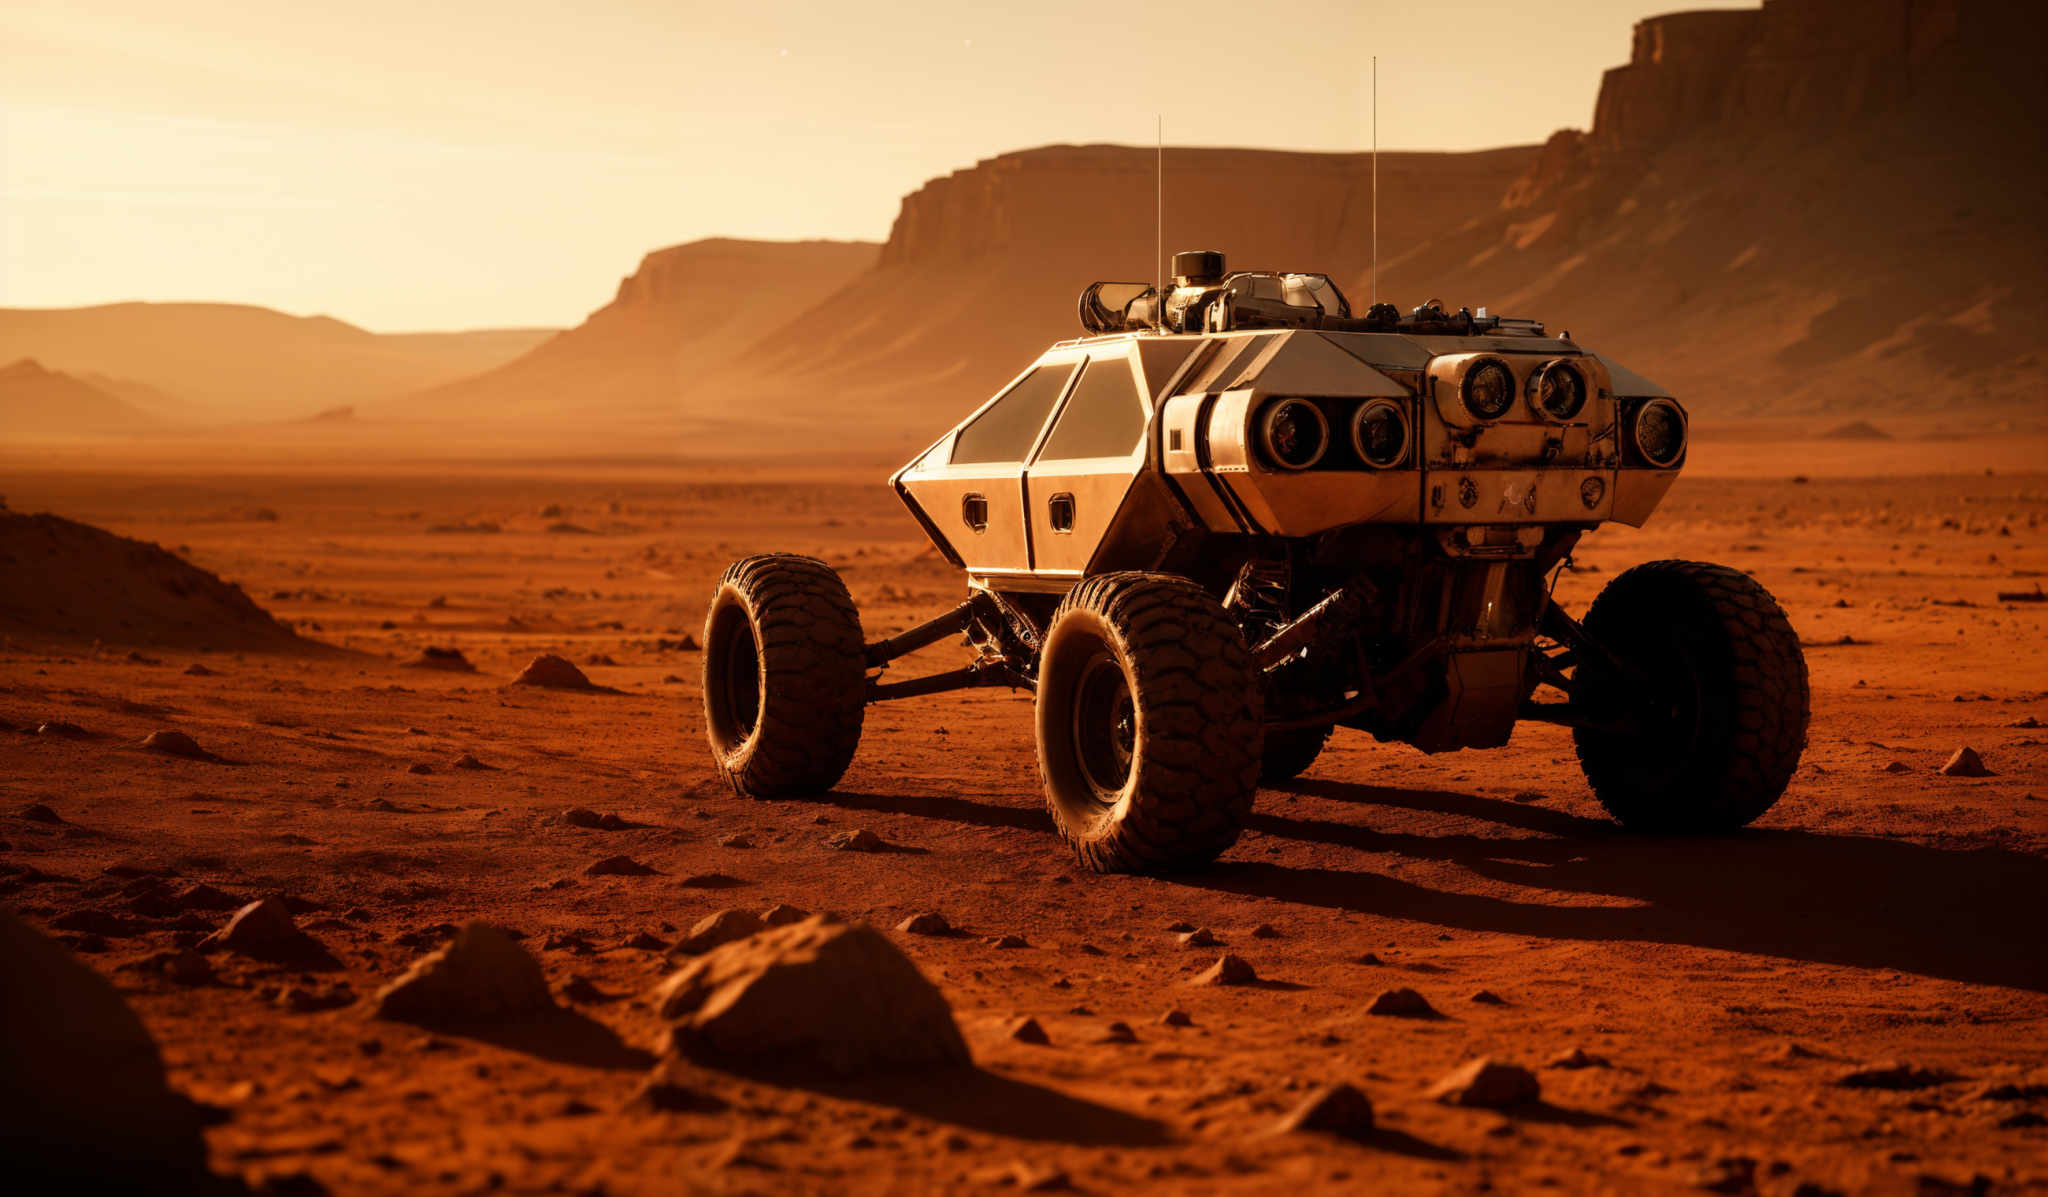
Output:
(981, 673)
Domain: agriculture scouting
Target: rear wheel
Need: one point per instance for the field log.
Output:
(785, 676)
(1288, 754)
(1719, 708)
(1148, 724)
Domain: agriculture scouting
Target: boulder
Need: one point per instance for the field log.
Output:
(782, 914)
(176, 743)
(811, 997)
(717, 930)
(84, 1103)
(1025, 1029)
(266, 930)
(1401, 1003)
(1200, 937)
(1896, 1074)
(1228, 970)
(1487, 1084)
(929, 923)
(450, 659)
(1966, 763)
(1333, 1109)
(480, 978)
(551, 672)
(618, 866)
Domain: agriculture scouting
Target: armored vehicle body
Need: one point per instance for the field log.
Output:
(1237, 517)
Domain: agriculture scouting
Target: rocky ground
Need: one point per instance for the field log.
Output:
(1850, 996)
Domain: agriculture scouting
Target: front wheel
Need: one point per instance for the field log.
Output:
(1149, 720)
(1719, 703)
(785, 676)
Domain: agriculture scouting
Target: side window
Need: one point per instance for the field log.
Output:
(1104, 418)
(1005, 431)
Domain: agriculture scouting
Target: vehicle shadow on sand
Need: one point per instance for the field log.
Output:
(1975, 915)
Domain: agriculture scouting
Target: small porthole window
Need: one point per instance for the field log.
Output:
(974, 511)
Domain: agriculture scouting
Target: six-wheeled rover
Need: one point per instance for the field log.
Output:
(1237, 517)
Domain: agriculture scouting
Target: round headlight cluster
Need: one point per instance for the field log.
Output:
(1293, 434)
(1380, 434)
(1489, 389)
(1557, 391)
(1659, 432)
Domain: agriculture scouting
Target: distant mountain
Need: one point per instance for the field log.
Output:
(1800, 208)
(230, 361)
(687, 312)
(38, 403)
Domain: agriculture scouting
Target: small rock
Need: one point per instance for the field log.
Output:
(1118, 1032)
(36, 812)
(599, 659)
(1176, 1017)
(265, 930)
(710, 881)
(2023, 1120)
(450, 659)
(1966, 763)
(929, 923)
(1528, 796)
(736, 840)
(579, 816)
(1025, 1029)
(719, 929)
(419, 767)
(59, 730)
(644, 941)
(618, 866)
(1333, 1110)
(1228, 970)
(1487, 997)
(1401, 1003)
(1895, 1075)
(1897, 767)
(1367, 958)
(175, 743)
(782, 914)
(1486, 1084)
(466, 761)
(195, 669)
(860, 840)
(551, 672)
(1265, 931)
(1006, 942)
(181, 967)
(1180, 926)
(815, 996)
(1576, 1058)
(482, 976)
(205, 897)
(1200, 937)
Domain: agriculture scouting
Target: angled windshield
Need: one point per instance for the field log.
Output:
(1104, 418)
(1006, 431)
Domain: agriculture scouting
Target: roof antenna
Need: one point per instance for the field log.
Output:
(1159, 214)
(1375, 180)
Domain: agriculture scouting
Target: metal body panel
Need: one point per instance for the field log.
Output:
(1637, 493)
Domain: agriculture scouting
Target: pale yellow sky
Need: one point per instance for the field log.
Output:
(411, 164)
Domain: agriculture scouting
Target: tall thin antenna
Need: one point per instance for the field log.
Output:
(1159, 212)
(1375, 180)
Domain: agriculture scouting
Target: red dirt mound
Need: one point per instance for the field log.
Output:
(62, 580)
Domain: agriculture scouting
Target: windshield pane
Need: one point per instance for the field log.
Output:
(1104, 418)
(1005, 431)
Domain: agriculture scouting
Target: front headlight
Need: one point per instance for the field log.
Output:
(1293, 435)
(1380, 434)
(1557, 391)
(1659, 432)
(1489, 389)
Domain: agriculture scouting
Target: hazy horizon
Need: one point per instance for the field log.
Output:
(501, 165)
